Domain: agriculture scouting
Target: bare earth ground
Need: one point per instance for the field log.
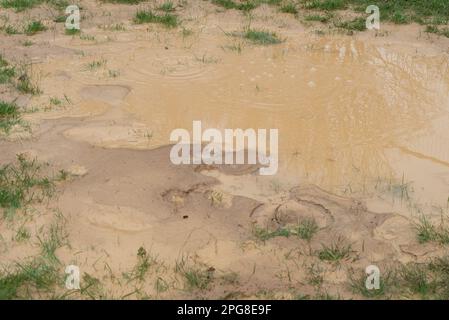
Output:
(363, 152)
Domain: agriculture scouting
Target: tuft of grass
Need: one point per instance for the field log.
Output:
(55, 238)
(25, 85)
(72, 32)
(20, 5)
(168, 20)
(9, 116)
(22, 183)
(327, 5)
(7, 72)
(125, 1)
(144, 262)
(229, 4)
(167, 7)
(37, 276)
(22, 234)
(265, 234)
(289, 8)
(335, 252)
(10, 29)
(306, 229)
(358, 24)
(438, 31)
(261, 37)
(317, 17)
(427, 232)
(96, 64)
(34, 27)
(417, 279)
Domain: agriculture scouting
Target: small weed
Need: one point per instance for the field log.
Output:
(168, 20)
(335, 252)
(144, 263)
(427, 232)
(289, 8)
(96, 64)
(9, 116)
(72, 32)
(358, 24)
(317, 17)
(261, 37)
(167, 7)
(306, 229)
(327, 5)
(7, 72)
(22, 183)
(34, 27)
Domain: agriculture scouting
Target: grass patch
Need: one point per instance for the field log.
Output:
(25, 85)
(335, 252)
(9, 116)
(144, 262)
(96, 64)
(34, 27)
(7, 72)
(125, 1)
(10, 29)
(358, 24)
(261, 37)
(168, 20)
(22, 183)
(167, 7)
(317, 17)
(327, 5)
(229, 4)
(289, 8)
(428, 232)
(34, 277)
(72, 32)
(20, 5)
(438, 31)
(305, 230)
(55, 238)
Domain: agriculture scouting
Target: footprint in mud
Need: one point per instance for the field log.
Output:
(111, 94)
(136, 136)
(179, 198)
(118, 218)
(335, 217)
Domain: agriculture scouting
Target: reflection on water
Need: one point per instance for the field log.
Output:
(337, 103)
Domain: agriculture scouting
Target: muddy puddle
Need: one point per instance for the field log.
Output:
(350, 112)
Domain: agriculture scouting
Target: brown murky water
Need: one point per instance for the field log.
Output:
(341, 105)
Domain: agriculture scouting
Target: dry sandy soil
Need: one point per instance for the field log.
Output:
(363, 152)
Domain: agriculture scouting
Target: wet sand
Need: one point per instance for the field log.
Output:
(357, 116)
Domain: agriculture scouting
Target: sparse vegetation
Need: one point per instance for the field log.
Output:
(144, 262)
(261, 37)
(9, 116)
(34, 27)
(7, 72)
(167, 7)
(305, 230)
(168, 20)
(96, 64)
(336, 251)
(428, 232)
(289, 8)
(358, 24)
(22, 183)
